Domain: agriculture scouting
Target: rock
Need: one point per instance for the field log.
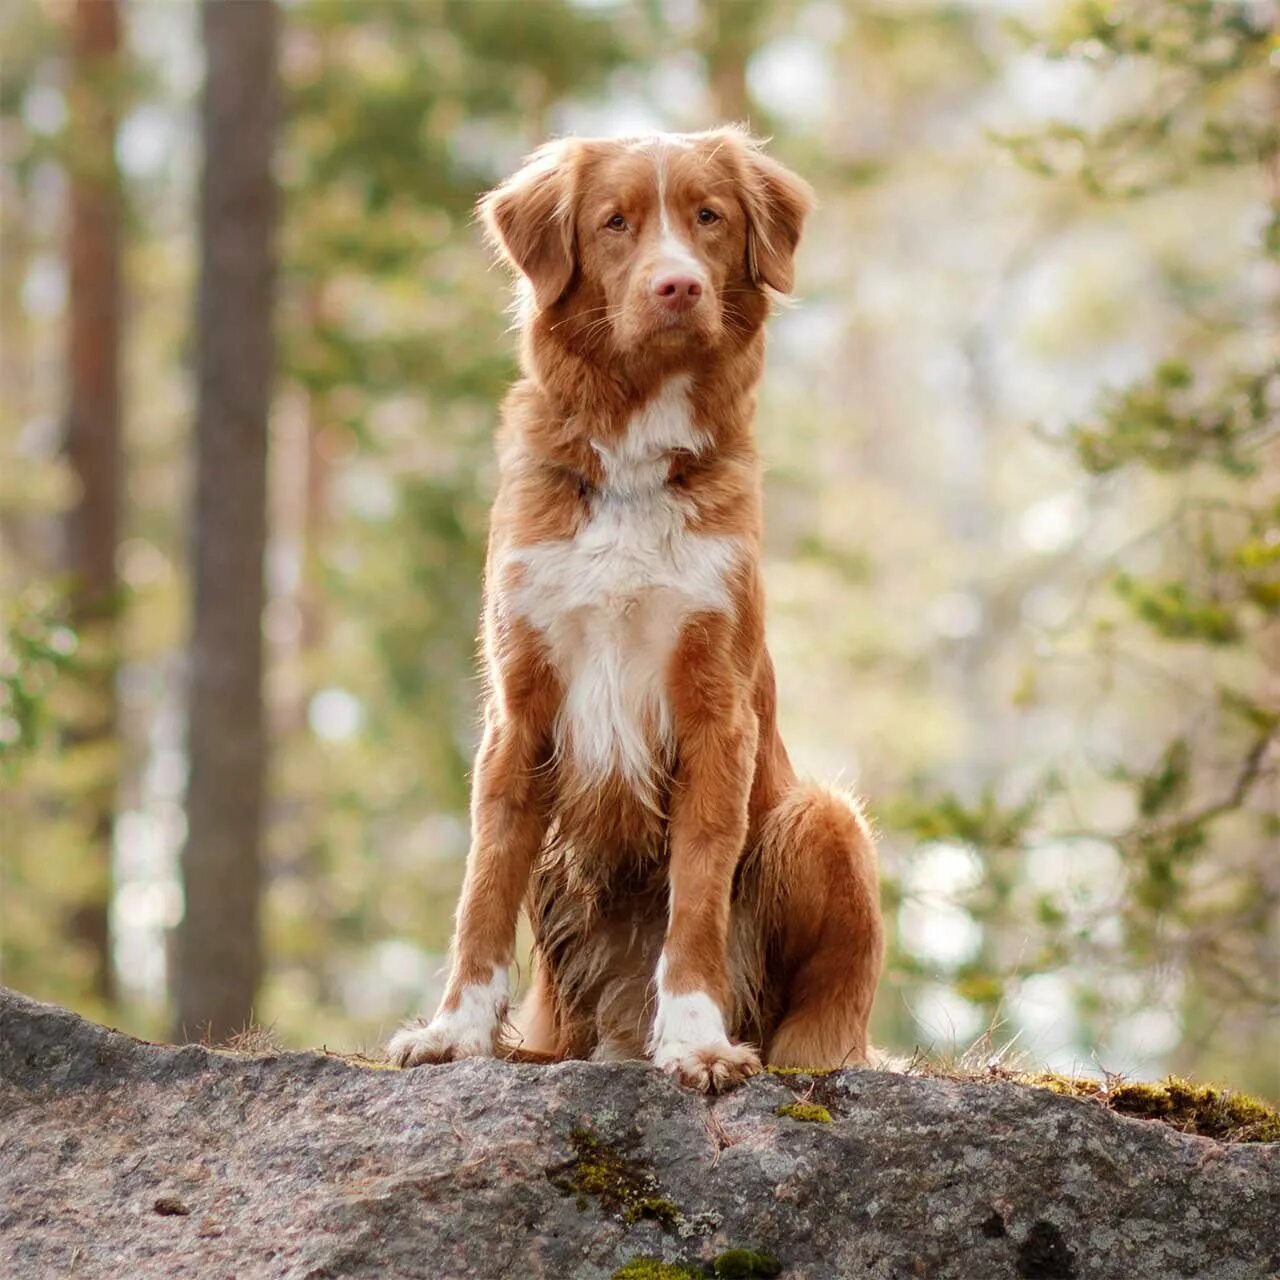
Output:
(124, 1159)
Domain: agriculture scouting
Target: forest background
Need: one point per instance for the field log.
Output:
(1023, 492)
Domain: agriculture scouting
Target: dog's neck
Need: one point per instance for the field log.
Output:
(691, 408)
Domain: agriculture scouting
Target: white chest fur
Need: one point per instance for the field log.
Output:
(611, 601)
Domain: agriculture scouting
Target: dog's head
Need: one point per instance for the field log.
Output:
(667, 242)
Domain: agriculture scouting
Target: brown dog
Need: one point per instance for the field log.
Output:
(631, 789)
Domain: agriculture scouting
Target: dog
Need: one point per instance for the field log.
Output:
(691, 899)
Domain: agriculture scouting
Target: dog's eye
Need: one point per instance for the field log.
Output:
(617, 223)
(708, 216)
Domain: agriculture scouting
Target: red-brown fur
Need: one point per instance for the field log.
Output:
(759, 890)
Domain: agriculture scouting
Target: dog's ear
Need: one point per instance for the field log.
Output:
(778, 202)
(530, 218)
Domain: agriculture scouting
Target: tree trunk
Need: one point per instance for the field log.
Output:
(92, 443)
(219, 955)
(731, 35)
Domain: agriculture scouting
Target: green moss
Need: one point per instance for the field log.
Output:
(659, 1208)
(809, 1111)
(801, 1071)
(733, 1264)
(1203, 1109)
(1193, 1108)
(625, 1186)
(746, 1264)
(655, 1269)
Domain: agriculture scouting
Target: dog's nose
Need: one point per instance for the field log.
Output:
(678, 293)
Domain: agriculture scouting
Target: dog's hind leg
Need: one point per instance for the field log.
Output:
(533, 1028)
(816, 894)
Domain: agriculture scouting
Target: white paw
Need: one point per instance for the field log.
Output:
(468, 1030)
(690, 1043)
(710, 1069)
(440, 1040)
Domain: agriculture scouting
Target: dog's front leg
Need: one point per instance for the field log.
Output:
(509, 819)
(716, 735)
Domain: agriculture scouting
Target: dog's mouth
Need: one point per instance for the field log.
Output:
(671, 322)
(660, 322)
(671, 329)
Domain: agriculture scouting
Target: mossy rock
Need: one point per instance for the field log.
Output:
(733, 1264)
(622, 1184)
(810, 1112)
(646, 1268)
(1201, 1109)
(746, 1264)
(801, 1071)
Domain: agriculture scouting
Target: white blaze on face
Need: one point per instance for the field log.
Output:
(468, 1031)
(685, 1025)
(675, 253)
(611, 602)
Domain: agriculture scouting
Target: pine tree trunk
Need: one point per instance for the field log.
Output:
(219, 955)
(731, 35)
(92, 442)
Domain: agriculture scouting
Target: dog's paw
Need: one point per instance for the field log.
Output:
(440, 1040)
(465, 1026)
(711, 1069)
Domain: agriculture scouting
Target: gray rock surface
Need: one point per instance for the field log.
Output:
(124, 1159)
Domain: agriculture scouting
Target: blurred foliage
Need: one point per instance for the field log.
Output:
(36, 646)
(1169, 423)
(1196, 846)
(43, 777)
(1203, 67)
